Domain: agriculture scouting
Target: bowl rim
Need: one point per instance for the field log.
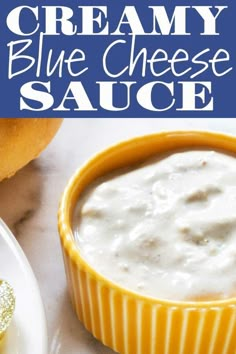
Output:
(72, 250)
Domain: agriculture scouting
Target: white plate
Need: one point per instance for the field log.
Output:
(27, 333)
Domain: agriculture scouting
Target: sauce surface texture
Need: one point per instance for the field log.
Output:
(166, 228)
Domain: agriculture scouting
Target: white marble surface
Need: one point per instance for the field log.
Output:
(29, 202)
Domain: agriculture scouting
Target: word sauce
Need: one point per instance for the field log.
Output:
(166, 229)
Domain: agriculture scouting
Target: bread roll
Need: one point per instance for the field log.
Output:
(22, 140)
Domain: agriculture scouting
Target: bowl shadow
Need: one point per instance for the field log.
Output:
(69, 335)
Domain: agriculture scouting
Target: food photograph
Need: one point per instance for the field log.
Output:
(117, 243)
(117, 177)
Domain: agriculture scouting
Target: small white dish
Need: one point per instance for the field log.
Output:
(27, 333)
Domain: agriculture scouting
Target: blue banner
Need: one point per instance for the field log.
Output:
(115, 58)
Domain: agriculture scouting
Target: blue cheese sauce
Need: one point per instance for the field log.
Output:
(166, 229)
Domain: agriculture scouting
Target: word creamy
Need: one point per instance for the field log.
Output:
(95, 20)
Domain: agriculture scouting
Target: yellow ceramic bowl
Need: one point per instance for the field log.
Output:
(126, 321)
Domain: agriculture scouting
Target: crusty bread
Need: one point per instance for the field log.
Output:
(22, 140)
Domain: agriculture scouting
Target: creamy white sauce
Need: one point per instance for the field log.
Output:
(165, 229)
